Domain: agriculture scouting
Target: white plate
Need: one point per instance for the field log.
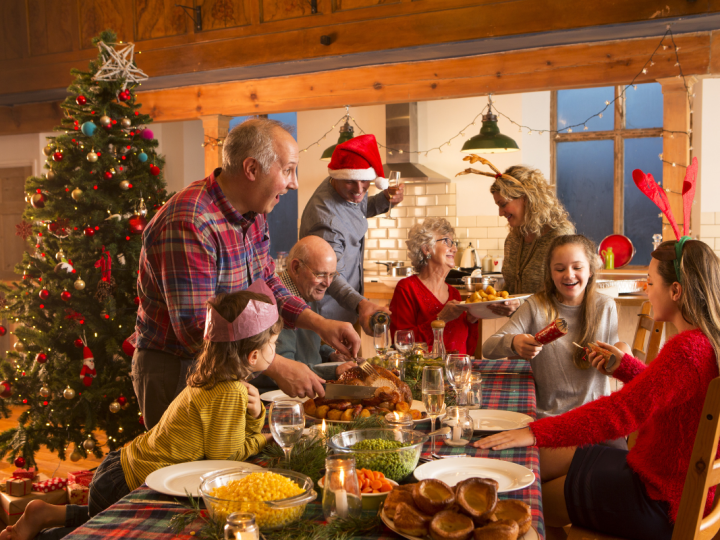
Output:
(481, 311)
(532, 534)
(417, 405)
(494, 420)
(175, 479)
(510, 476)
(279, 395)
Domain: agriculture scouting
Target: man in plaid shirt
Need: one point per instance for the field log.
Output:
(209, 238)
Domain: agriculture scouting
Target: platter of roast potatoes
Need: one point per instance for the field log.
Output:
(469, 511)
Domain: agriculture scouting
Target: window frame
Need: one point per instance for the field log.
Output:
(618, 134)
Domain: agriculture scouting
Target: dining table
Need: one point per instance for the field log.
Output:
(506, 385)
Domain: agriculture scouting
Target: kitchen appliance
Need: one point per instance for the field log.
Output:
(474, 283)
(487, 264)
(396, 268)
(469, 258)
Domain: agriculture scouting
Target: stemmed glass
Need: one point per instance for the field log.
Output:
(433, 396)
(404, 341)
(393, 181)
(381, 339)
(286, 424)
(458, 369)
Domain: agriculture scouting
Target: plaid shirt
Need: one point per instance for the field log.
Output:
(198, 246)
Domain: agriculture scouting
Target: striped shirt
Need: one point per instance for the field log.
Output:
(199, 424)
(196, 247)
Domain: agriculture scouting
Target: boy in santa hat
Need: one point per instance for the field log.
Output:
(338, 212)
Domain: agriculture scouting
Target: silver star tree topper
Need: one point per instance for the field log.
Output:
(119, 65)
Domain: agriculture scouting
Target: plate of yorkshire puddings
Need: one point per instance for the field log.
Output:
(431, 509)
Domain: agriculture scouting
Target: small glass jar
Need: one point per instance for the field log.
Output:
(461, 426)
(341, 491)
(473, 395)
(396, 361)
(420, 348)
(399, 420)
(241, 526)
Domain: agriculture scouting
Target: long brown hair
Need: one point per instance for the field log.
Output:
(700, 278)
(228, 361)
(549, 296)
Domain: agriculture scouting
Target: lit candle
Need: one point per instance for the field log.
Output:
(323, 428)
(457, 428)
(247, 535)
(341, 500)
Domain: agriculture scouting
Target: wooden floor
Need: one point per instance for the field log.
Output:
(48, 462)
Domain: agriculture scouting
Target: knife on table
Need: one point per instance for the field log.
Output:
(348, 391)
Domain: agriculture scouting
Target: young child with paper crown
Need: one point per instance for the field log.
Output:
(636, 494)
(217, 416)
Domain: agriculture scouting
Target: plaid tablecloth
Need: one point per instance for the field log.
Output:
(144, 513)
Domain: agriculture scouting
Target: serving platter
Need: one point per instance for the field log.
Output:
(279, 395)
(494, 420)
(417, 405)
(532, 534)
(481, 311)
(509, 476)
(176, 479)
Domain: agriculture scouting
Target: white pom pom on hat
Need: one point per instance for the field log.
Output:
(358, 159)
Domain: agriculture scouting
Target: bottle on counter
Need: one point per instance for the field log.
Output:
(438, 350)
(609, 258)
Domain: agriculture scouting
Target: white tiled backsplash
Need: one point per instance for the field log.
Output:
(386, 238)
(710, 230)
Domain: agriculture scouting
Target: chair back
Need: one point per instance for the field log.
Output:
(644, 348)
(703, 473)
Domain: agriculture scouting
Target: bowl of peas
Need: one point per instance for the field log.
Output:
(393, 452)
(277, 497)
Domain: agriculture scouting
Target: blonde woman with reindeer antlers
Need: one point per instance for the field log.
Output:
(636, 494)
(535, 216)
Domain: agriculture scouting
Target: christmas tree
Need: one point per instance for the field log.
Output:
(76, 302)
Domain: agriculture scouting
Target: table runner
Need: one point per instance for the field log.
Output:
(146, 514)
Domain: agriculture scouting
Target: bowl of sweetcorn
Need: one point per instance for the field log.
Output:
(276, 497)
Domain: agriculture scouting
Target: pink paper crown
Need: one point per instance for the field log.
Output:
(255, 318)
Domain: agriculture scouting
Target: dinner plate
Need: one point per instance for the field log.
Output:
(481, 311)
(417, 405)
(175, 479)
(279, 395)
(510, 476)
(532, 534)
(493, 420)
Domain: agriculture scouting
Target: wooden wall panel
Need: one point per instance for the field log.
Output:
(50, 26)
(280, 10)
(13, 30)
(99, 15)
(224, 13)
(159, 18)
(344, 5)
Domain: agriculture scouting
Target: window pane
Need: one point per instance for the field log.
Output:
(576, 106)
(641, 215)
(644, 106)
(585, 185)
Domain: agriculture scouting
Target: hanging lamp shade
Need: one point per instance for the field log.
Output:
(346, 133)
(489, 140)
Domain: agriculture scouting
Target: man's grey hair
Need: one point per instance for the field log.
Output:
(253, 138)
(298, 251)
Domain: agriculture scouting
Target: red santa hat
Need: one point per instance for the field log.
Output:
(87, 355)
(358, 159)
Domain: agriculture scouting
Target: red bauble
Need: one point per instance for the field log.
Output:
(65, 295)
(128, 348)
(81, 100)
(136, 300)
(141, 420)
(44, 294)
(41, 358)
(89, 231)
(5, 389)
(3, 330)
(38, 200)
(107, 175)
(79, 343)
(124, 95)
(58, 156)
(137, 224)
(122, 400)
(20, 462)
(154, 170)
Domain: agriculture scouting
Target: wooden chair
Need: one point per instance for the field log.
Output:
(703, 473)
(644, 348)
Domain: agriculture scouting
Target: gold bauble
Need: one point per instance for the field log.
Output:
(115, 407)
(76, 455)
(48, 150)
(68, 393)
(60, 255)
(50, 175)
(44, 391)
(105, 120)
(126, 122)
(88, 444)
(19, 346)
(124, 185)
(79, 284)
(76, 194)
(92, 157)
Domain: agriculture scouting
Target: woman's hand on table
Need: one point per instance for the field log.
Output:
(254, 407)
(450, 311)
(507, 439)
(506, 308)
(526, 346)
(599, 362)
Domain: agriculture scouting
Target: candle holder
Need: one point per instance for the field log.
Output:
(341, 491)
(399, 420)
(473, 392)
(396, 361)
(461, 424)
(241, 526)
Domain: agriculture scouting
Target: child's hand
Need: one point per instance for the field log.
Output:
(507, 439)
(599, 361)
(526, 346)
(254, 407)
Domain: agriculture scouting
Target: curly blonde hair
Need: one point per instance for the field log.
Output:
(542, 208)
(423, 234)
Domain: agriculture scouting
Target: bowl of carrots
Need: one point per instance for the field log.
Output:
(374, 487)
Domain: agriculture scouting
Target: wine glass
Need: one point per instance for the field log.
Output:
(458, 368)
(393, 181)
(404, 341)
(286, 424)
(381, 339)
(433, 396)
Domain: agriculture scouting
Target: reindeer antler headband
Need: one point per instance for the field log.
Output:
(646, 183)
(473, 158)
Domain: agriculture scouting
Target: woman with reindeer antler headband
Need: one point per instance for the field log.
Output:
(535, 216)
(636, 494)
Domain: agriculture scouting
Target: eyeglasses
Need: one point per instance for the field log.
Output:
(320, 276)
(449, 242)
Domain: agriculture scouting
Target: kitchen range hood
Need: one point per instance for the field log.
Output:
(401, 129)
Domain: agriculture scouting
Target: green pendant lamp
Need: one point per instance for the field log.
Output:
(346, 133)
(489, 140)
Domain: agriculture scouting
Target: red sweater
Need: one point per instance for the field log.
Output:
(414, 307)
(663, 401)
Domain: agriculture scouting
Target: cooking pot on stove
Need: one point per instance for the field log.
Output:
(396, 268)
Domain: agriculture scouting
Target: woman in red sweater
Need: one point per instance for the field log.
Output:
(636, 494)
